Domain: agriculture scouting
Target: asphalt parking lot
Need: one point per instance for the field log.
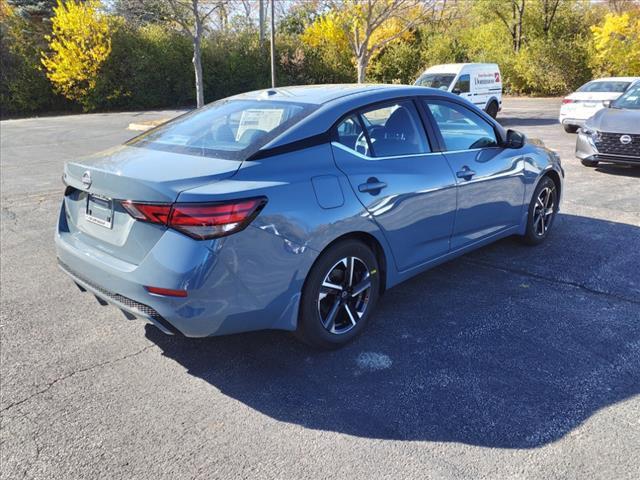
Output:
(511, 362)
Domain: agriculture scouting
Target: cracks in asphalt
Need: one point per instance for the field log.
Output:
(570, 283)
(55, 381)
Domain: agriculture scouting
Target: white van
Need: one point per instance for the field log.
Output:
(479, 83)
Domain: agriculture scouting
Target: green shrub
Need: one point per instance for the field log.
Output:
(24, 87)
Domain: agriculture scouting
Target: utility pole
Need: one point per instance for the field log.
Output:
(261, 22)
(273, 44)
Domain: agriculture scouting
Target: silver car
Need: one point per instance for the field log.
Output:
(613, 134)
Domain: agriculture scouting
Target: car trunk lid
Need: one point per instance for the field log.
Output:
(97, 185)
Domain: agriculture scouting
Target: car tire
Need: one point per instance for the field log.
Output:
(332, 313)
(589, 163)
(542, 212)
(570, 128)
(492, 109)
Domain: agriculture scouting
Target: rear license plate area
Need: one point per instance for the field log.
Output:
(99, 210)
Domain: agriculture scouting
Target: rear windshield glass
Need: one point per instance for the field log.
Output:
(604, 87)
(631, 99)
(230, 129)
(436, 80)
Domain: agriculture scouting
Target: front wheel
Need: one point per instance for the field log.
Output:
(542, 212)
(339, 295)
(570, 128)
(492, 109)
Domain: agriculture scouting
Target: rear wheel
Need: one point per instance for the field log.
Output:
(492, 109)
(339, 295)
(570, 128)
(542, 212)
(589, 163)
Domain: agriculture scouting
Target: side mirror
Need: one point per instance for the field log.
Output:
(606, 103)
(457, 91)
(515, 139)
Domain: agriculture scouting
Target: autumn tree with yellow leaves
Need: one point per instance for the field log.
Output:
(616, 44)
(79, 44)
(365, 27)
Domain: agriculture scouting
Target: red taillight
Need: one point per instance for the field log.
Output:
(566, 100)
(199, 220)
(167, 292)
(148, 212)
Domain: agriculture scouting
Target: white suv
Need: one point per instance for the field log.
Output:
(589, 98)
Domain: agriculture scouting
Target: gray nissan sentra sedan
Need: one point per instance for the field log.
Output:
(613, 134)
(295, 208)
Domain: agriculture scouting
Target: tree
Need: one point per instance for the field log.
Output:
(365, 27)
(80, 42)
(192, 16)
(511, 15)
(617, 45)
(33, 8)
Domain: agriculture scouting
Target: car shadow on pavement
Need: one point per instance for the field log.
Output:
(621, 170)
(526, 121)
(509, 347)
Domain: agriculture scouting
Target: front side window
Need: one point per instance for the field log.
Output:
(460, 128)
(463, 84)
(230, 129)
(395, 129)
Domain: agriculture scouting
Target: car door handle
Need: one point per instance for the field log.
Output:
(373, 186)
(465, 173)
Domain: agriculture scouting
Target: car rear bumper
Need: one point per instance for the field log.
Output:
(226, 292)
(578, 122)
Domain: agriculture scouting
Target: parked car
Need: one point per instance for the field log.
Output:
(613, 134)
(479, 83)
(295, 208)
(589, 98)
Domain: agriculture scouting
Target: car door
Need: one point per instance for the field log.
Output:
(490, 178)
(407, 188)
(462, 87)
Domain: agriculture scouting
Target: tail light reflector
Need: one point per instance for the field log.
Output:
(199, 220)
(566, 100)
(166, 292)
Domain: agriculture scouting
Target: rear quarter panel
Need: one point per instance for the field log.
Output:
(310, 204)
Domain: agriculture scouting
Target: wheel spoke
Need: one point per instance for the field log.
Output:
(330, 322)
(352, 262)
(542, 225)
(363, 285)
(332, 286)
(352, 317)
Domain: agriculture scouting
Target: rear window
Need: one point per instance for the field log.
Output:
(616, 87)
(230, 129)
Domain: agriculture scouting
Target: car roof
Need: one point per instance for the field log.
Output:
(457, 67)
(333, 102)
(615, 79)
(312, 94)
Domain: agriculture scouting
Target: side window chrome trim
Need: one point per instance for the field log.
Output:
(392, 157)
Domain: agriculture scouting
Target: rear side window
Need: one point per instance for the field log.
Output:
(463, 84)
(395, 129)
(230, 129)
(460, 128)
(350, 134)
